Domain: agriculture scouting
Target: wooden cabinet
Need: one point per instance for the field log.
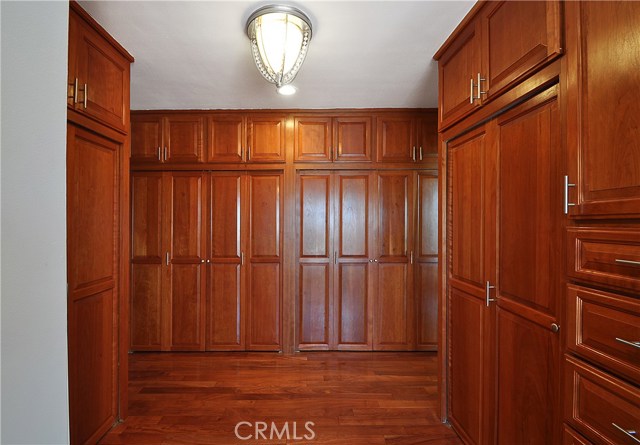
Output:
(327, 138)
(226, 138)
(266, 138)
(167, 139)
(500, 44)
(603, 111)
(98, 82)
(406, 137)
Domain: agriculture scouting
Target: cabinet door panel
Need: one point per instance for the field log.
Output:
(183, 138)
(353, 207)
(264, 308)
(186, 307)
(427, 135)
(314, 312)
(265, 204)
(226, 138)
(312, 139)
(266, 137)
(146, 139)
(146, 292)
(396, 139)
(352, 138)
(352, 306)
(224, 307)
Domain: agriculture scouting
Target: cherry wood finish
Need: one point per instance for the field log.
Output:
(183, 138)
(147, 139)
(396, 138)
(570, 437)
(266, 138)
(352, 136)
(427, 141)
(313, 139)
(93, 231)
(603, 113)
(597, 321)
(596, 401)
(226, 138)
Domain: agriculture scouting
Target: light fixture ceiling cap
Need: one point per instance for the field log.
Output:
(281, 9)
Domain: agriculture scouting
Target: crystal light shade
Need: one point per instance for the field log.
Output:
(279, 38)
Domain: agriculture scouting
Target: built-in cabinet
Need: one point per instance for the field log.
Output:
(406, 138)
(332, 138)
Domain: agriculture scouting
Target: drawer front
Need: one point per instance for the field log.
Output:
(600, 406)
(605, 328)
(570, 437)
(607, 256)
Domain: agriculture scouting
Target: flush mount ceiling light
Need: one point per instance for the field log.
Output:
(280, 37)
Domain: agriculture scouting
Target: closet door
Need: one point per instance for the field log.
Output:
(225, 290)
(530, 268)
(184, 290)
(394, 311)
(315, 261)
(265, 261)
(353, 258)
(471, 243)
(147, 256)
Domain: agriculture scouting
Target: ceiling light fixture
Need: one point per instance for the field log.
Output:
(280, 37)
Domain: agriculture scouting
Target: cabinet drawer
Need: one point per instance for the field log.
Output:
(600, 406)
(607, 256)
(570, 437)
(605, 328)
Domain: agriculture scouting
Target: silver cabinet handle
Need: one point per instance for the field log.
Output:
(202, 260)
(413, 154)
(421, 152)
(375, 261)
(166, 258)
(567, 204)
(335, 257)
(487, 292)
(471, 98)
(555, 327)
(371, 261)
(411, 257)
(629, 262)
(75, 91)
(86, 94)
(242, 258)
(159, 154)
(480, 92)
(248, 153)
(628, 433)
(165, 153)
(635, 344)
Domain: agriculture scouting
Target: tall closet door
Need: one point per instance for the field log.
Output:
(147, 256)
(471, 243)
(265, 261)
(353, 258)
(184, 294)
(394, 311)
(225, 290)
(530, 286)
(93, 237)
(315, 261)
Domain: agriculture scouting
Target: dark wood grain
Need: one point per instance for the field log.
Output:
(226, 138)
(183, 138)
(396, 138)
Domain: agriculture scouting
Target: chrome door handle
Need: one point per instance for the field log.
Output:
(567, 204)
(160, 154)
(471, 98)
(629, 262)
(242, 258)
(480, 92)
(487, 292)
(421, 152)
(165, 153)
(166, 258)
(635, 344)
(411, 257)
(555, 327)
(628, 433)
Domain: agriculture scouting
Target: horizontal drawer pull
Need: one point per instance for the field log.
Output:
(628, 433)
(629, 262)
(635, 344)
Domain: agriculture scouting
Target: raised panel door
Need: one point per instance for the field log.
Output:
(93, 263)
(352, 138)
(427, 143)
(394, 309)
(226, 139)
(315, 261)
(266, 138)
(312, 139)
(518, 37)
(225, 302)
(353, 258)
(396, 138)
(184, 295)
(603, 112)
(183, 138)
(146, 261)
(264, 258)
(146, 139)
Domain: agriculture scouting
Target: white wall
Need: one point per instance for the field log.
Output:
(33, 311)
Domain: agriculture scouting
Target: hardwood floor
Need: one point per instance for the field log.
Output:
(352, 399)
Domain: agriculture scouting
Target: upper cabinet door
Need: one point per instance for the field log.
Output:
(183, 136)
(266, 137)
(102, 75)
(352, 139)
(396, 139)
(312, 139)
(603, 111)
(427, 126)
(146, 139)
(458, 68)
(226, 139)
(517, 37)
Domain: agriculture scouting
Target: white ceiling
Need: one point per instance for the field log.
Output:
(363, 54)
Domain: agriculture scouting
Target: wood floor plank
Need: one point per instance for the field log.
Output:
(352, 399)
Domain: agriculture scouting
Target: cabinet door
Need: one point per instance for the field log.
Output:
(265, 262)
(427, 144)
(184, 294)
(352, 139)
(312, 139)
(396, 139)
(225, 290)
(103, 77)
(146, 139)
(266, 137)
(458, 68)
(426, 263)
(394, 310)
(603, 111)
(226, 139)
(517, 38)
(93, 238)
(183, 136)
(147, 255)
(353, 258)
(530, 271)
(315, 261)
